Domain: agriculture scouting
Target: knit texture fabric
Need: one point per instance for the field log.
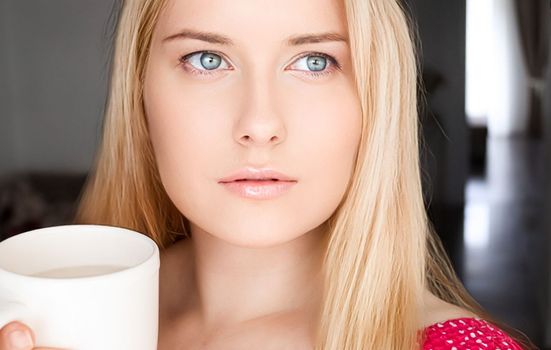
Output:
(467, 333)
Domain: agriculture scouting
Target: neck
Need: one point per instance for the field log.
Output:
(236, 284)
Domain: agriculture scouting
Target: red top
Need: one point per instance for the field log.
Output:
(467, 333)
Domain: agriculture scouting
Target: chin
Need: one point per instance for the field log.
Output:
(259, 238)
(255, 235)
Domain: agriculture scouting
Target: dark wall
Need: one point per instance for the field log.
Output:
(442, 31)
(54, 73)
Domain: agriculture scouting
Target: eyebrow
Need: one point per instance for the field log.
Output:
(215, 38)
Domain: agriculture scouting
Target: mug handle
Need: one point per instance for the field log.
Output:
(13, 311)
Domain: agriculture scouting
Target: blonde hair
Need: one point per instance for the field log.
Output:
(382, 253)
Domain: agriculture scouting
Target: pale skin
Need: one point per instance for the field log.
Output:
(250, 277)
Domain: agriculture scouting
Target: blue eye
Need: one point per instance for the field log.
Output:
(316, 64)
(210, 61)
(204, 60)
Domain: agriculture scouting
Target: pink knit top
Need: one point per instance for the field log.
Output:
(467, 333)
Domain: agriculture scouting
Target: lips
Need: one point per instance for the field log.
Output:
(254, 174)
(258, 184)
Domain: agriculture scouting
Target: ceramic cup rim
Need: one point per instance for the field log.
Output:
(148, 264)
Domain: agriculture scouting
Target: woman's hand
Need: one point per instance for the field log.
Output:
(17, 336)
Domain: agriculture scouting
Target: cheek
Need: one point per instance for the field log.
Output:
(326, 126)
(329, 139)
(185, 128)
(185, 121)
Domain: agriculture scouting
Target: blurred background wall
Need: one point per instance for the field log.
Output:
(487, 164)
(6, 140)
(440, 24)
(485, 157)
(54, 77)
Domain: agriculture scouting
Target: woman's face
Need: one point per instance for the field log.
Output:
(253, 94)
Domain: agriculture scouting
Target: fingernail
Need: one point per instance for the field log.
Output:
(20, 339)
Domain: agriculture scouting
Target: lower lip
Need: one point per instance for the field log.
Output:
(259, 189)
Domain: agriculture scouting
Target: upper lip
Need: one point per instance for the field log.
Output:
(250, 173)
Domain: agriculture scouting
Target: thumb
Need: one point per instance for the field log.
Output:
(16, 336)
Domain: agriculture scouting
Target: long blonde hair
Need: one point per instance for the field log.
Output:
(382, 253)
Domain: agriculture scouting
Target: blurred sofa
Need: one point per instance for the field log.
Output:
(33, 200)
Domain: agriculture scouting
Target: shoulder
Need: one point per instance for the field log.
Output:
(437, 310)
(467, 333)
(449, 327)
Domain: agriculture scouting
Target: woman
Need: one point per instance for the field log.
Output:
(270, 149)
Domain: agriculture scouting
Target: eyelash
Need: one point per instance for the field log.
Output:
(334, 64)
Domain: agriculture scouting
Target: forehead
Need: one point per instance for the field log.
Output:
(245, 21)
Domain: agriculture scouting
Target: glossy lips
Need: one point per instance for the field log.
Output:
(258, 183)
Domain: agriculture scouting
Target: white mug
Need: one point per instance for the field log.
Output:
(82, 287)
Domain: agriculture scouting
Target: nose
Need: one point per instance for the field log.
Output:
(260, 124)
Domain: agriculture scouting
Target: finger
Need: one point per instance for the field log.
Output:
(16, 335)
(19, 326)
